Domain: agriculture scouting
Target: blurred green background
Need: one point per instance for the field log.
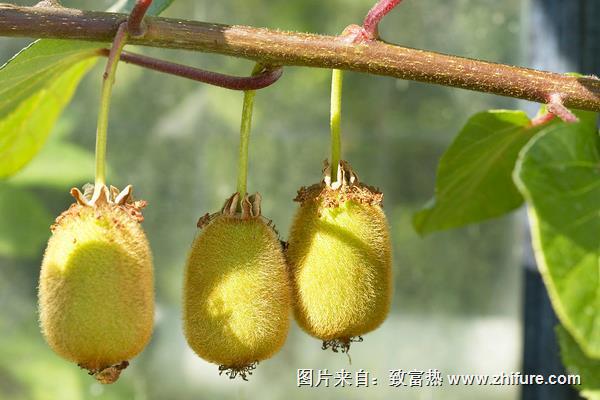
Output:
(457, 301)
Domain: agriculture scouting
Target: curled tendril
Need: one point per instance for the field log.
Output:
(136, 27)
(266, 77)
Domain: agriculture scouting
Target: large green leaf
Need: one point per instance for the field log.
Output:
(35, 67)
(24, 223)
(32, 99)
(558, 173)
(60, 164)
(35, 86)
(474, 177)
(577, 363)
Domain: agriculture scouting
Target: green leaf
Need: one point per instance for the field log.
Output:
(35, 87)
(60, 165)
(25, 223)
(26, 122)
(474, 177)
(577, 363)
(558, 173)
(35, 67)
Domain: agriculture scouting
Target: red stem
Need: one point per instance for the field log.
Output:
(557, 108)
(266, 78)
(376, 14)
(542, 119)
(136, 18)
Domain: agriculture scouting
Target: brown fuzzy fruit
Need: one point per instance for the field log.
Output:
(237, 299)
(339, 254)
(96, 296)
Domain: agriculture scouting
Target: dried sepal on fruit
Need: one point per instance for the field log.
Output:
(96, 296)
(237, 297)
(339, 255)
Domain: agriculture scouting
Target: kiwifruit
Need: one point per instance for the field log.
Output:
(339, 255)
(96, 296)
(237, 299)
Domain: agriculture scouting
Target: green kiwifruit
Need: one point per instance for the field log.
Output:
(339, 255)
(237, 300)
(96, 296)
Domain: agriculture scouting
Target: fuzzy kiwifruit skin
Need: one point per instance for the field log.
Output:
(340, 262)
(237, 299)
(96, 296)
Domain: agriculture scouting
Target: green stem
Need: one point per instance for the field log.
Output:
(335, 121)
(107, 84)
(245, 128)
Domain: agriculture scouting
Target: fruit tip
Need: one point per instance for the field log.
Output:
(242, 371)
(108, 375)
(341, 344)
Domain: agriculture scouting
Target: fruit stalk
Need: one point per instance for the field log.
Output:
(335, 121)
(108, 81)
(245, 129)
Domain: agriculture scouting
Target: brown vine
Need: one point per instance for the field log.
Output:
(274, 47)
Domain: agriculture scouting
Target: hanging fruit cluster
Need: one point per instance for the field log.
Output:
(96, 297)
